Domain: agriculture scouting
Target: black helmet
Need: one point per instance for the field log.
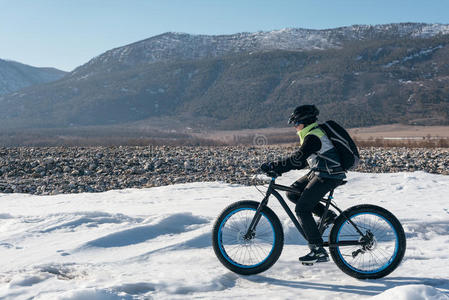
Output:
(304, 114)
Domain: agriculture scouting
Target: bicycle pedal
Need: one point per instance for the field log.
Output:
(308, 264)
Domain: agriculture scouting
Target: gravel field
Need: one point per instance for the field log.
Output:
(58, 170)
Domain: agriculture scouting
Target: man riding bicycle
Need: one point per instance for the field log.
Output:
(325, 174)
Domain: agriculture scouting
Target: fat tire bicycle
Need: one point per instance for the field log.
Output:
(366, 241)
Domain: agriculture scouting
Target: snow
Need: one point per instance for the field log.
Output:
(156, 243)
(421, 53)
(411, 292)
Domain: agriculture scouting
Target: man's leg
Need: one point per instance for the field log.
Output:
(310, 197)
(299, 185)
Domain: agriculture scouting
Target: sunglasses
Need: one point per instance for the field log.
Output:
(294, 122)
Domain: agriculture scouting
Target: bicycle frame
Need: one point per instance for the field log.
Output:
(273, 190)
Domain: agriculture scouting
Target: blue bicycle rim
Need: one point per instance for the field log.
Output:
(387, 263)
(225, 255)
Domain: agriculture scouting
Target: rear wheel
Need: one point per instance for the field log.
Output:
(247, 255)
(383, 240)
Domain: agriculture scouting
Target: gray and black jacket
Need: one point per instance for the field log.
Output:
(316, 151)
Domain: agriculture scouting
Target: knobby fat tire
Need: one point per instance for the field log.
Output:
(375, 210)
(278, 243)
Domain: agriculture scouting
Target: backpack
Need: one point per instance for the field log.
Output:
(343, 143)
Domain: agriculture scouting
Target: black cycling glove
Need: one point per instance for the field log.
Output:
(269, 167)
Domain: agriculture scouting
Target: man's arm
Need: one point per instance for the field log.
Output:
(299, 159)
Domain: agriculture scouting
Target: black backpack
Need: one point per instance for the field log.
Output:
(342, 141)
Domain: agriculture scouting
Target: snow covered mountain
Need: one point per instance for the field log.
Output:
(15, 76)
(358, 75)
(181, 46)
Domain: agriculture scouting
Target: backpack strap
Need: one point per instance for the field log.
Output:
(327, 158)
(341, 140)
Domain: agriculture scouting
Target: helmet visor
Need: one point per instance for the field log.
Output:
(296, 120)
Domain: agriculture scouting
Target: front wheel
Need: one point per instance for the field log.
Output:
(240, 253)
(383, 242)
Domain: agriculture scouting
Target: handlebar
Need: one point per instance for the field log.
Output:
(267, 177)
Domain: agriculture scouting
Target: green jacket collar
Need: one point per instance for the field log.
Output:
(303, 132)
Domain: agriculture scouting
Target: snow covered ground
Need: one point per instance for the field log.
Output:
(156, 243)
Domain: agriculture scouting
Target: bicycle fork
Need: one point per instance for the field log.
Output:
(252, 226)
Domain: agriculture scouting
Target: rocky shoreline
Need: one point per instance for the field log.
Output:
(56, 170)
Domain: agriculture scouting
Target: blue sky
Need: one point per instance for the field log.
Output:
(67, 33)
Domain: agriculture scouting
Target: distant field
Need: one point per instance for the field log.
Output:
(383, 135)
(400, 131)
(247, 136)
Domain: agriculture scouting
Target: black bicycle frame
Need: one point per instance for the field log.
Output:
(273, 190)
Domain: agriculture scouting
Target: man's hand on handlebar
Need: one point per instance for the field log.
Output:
(269, 169)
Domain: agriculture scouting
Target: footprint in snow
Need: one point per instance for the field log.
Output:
(62, 253)
(136, 288)
(10, 246)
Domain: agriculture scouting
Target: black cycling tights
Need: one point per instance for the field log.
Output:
(313, 189)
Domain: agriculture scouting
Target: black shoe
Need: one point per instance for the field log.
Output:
(316, 255)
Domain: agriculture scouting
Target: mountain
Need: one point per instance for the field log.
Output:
(15, 76)
(181, 46)
(358, 75)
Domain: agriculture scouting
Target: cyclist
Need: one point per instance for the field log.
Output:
(325, 174)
